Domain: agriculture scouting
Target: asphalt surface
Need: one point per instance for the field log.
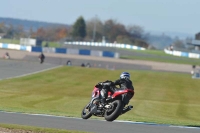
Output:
(13, 68)
(99, 62)
(90, 125)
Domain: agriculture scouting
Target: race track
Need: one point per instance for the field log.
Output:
(15, 68)
(91, 125)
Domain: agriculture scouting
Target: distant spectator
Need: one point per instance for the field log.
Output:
(68, 63)
(88, 65)
(193, 69)
(6, 56)
(41, 57)
(82, 65)
(171, 48)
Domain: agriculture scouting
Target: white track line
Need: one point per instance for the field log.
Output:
(32, 73)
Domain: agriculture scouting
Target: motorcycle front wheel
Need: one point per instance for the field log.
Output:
(115, 110)
(86, 112)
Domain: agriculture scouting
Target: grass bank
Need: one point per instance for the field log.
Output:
(29, 129)
(17, 41)
(160, 56)
(162, 97)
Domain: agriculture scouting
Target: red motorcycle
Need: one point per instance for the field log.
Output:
(115, 104)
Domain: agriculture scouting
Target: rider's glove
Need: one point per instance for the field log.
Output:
(112, 83)
(100, 83)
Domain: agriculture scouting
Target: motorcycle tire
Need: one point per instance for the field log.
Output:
(111, 115)
(86, 114)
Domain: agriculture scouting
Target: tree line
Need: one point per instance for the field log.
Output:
(92, 30)
(110, 30)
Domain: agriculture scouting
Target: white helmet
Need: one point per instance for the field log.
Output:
(124, 75)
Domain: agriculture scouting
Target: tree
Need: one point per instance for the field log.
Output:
(98, 25)
(10, 32)
(41, 33)
(61, 33)
(2, 28)
(123, 39)
(79, 28)
(135, 31)
(19, 32)
(112, 30)
(179, 44)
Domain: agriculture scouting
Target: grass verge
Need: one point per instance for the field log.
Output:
(30, 129)
(160, 56)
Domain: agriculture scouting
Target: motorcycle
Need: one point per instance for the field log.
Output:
(114, 106)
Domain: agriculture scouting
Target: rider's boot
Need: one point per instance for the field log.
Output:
(103, 100)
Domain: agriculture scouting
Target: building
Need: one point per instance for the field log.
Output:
(195, 43)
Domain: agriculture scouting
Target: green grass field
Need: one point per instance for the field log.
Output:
(161, 56)
(12, 41)
(161, 97)
(16, 41)
(27, 129)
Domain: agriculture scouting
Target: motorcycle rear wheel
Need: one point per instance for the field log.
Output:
(112, 114)
(86, 112)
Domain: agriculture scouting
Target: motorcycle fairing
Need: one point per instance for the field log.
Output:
(126, 95)
(120, 92)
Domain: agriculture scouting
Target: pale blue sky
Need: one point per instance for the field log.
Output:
(153, 15)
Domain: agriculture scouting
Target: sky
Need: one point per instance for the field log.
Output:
(181, 16)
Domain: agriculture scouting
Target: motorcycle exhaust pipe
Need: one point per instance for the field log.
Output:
(126, 109)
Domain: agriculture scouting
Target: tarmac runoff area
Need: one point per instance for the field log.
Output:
(16, 68)
(101, 62)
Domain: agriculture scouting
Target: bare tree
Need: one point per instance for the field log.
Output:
(124, 39)
(135, 31)
(112, 29)
(94, 25)
(179, 44)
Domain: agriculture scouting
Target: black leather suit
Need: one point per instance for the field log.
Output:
(123, 84)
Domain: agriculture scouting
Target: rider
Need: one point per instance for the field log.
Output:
(42, 57)
(124, 82)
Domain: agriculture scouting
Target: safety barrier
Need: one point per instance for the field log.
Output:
(15, 47)
(61, 50)
(116, 45)
(183, 54)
